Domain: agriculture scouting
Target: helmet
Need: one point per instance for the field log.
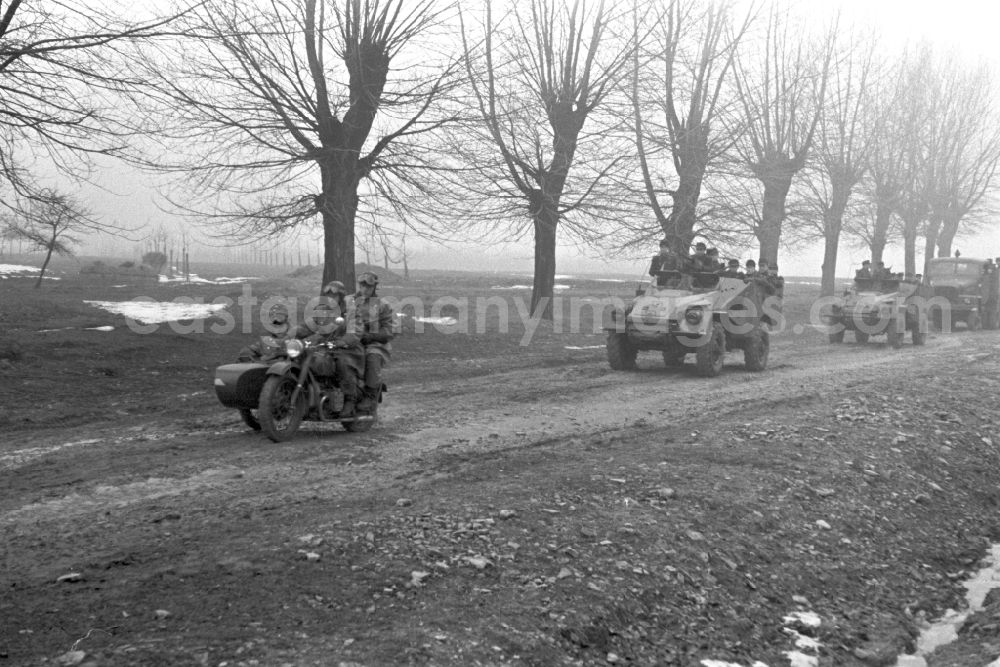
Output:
(333, 288)
(368, 278)
(325, 314)
(277, 314)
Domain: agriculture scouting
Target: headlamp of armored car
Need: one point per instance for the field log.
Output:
(694, 314)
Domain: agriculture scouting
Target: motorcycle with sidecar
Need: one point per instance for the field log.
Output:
(298, 381)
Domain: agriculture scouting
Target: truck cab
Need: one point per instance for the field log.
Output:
(966, 289)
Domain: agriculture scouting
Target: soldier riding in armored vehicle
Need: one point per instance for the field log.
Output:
(880, 303)
(684, 309)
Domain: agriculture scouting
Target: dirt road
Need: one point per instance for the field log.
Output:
(538, 510)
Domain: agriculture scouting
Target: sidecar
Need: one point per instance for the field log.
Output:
(239, 385)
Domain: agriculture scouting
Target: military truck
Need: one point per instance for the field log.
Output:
(966, 290)
(888, 306)
(698, 313)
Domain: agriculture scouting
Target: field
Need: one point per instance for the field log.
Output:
(518, 502)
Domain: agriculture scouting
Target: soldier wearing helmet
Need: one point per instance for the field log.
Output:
(373, 319)
(327, 322)
(277, 325)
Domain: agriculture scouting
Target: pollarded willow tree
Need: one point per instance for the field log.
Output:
(844, 140)
(964, 151)
(679, 86)
(283, 111)
(781, 81)
(537, 75)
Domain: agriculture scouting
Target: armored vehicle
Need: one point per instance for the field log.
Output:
(705, 314)
(888, 306)
(966, 290)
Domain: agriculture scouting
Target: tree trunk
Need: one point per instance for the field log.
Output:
(543, 287)
(930, 239)
(833, 222)
(947, 236)
(773, 215)
(880, 234)
(45, 264)
(828, 282)
(910, 245)
(338, 205)
(678, 228)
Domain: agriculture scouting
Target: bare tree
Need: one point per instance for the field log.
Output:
(51, 222)
(897, 115)
(781, 86)
(965, 141)
(900, 163)
(537, 77)
(62, 73)
(845, 137)
(293, 108)
(677, 93)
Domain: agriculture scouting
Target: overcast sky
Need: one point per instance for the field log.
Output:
(969, 26)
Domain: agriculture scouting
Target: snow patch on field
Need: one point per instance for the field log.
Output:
(21, 271)
(155, 312)
(555, 287)
(16, 269)
(195, 278)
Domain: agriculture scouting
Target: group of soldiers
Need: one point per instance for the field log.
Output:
(706, 260)
(360, 346)
(878, 272)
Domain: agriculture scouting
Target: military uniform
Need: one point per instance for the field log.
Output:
(373, 319)
(278, 327)
(345, 362)
(671, 262)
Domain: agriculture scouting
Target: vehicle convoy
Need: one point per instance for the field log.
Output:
(888, 306)
(285, 387)
(966, 290)
(704, 314)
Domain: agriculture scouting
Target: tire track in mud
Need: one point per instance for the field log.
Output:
(428, 429)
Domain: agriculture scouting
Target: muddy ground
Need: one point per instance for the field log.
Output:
(520, 505)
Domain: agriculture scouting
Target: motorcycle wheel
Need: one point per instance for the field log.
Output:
(279, 419)
(250, 419)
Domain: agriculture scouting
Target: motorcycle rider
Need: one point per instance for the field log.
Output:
(277, 326)
(373, 321)
(347, 356)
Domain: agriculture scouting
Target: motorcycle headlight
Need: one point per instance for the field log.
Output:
(694, 314)
(294, 348)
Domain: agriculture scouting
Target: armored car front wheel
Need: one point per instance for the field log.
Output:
(711, 356)
(621, 354)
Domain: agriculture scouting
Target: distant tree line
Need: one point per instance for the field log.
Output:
(611, 125)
